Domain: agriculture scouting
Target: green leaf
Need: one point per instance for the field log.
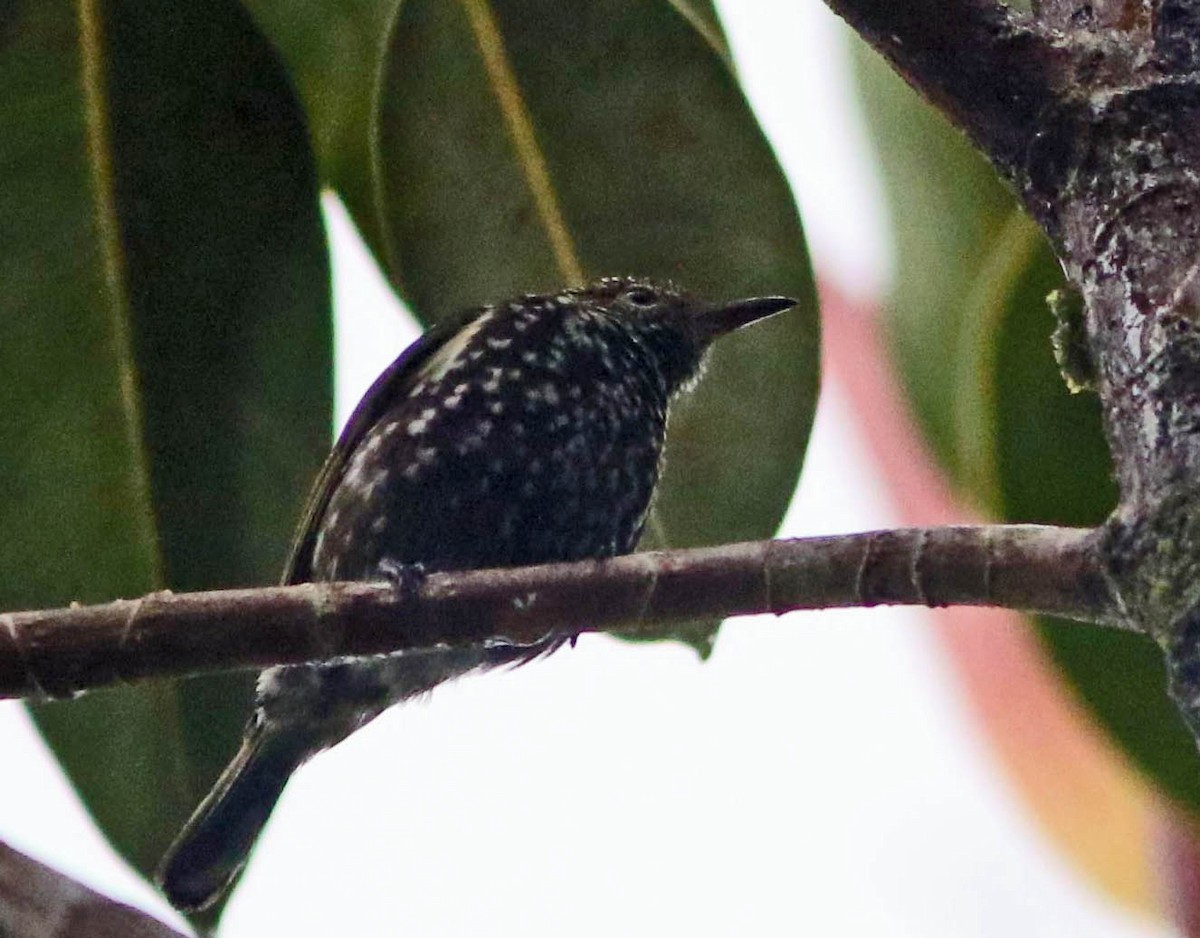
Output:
(528, 144)
(165, 341)
(947, 207)
(333, 50)
(703, 16)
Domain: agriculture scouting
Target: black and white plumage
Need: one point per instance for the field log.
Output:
(524, 432)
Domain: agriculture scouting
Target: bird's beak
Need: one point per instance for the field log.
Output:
(719, 319)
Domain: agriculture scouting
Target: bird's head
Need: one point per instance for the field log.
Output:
(676, 326)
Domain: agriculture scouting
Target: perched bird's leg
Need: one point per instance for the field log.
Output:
(406, 578)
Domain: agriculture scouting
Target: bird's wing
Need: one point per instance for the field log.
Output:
(382, 393)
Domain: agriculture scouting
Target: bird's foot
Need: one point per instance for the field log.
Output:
(406, 578)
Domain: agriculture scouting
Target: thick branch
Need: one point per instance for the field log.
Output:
(61, 652)
(979, 62)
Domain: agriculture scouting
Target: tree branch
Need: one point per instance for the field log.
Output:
(979, 62)
(62, 652)
(39, 902)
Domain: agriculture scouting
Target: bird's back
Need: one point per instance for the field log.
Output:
(525, 436)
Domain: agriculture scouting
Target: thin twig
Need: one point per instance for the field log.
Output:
(62, 652)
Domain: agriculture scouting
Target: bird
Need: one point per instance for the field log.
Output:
(521, 432)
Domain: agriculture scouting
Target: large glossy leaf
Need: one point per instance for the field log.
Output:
(703, 16)
(947, 207)
(164, 341)
(527, 144)
(333, 50)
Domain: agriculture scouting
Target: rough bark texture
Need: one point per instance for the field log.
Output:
(1092, 111)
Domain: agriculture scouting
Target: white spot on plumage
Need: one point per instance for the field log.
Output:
(354, 471)
(449, 357)
(378, 481)
(492, 384)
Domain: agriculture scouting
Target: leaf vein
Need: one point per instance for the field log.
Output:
(520, 128)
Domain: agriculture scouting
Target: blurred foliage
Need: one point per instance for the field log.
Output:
(164, 336)
(970, 332)
(947, 207)
(165, 303)
(333, 50)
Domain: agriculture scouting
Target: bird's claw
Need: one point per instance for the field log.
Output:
(405, 578)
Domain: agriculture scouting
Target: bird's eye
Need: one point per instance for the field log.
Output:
(640, 296)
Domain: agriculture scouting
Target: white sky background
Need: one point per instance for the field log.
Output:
(818, 775)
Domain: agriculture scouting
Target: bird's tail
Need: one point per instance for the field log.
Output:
(216, 841)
